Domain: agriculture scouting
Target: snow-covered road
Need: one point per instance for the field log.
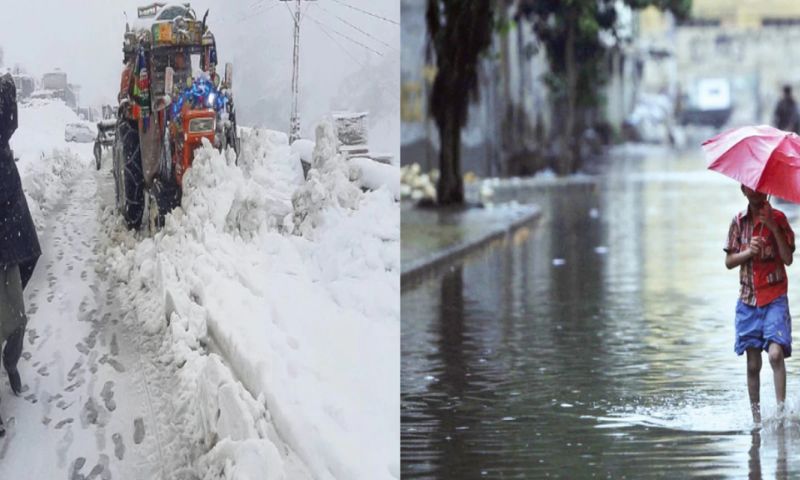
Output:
(91, 404)
(255, 336)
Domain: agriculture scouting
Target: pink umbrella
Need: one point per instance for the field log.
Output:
(761, 157)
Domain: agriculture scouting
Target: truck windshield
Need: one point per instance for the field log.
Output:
(178, 59)
(171, 13)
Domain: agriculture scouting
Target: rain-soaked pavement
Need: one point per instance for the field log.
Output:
(598, 343)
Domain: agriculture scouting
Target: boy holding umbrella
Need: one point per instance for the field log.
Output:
(765, 160)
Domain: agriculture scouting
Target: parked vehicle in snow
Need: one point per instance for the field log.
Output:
(170, 98)
(25, 85)
(106, 130)
(55, 83)
(80, 132)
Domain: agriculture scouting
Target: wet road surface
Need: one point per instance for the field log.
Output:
(598, 343)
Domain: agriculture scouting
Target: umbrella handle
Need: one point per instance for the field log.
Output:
(761, 226)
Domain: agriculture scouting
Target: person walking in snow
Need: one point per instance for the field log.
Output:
(19, 244)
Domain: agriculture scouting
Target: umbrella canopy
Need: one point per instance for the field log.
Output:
(761, 157)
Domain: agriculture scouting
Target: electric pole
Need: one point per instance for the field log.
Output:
(294, 123)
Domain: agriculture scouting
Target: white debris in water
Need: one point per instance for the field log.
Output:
(557, 262)
(594, 213)
(566, 405)
(601, 250)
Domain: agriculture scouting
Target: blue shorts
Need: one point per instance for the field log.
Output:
(757, 327)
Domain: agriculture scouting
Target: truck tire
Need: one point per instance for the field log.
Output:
(167, 194)
(128, 174)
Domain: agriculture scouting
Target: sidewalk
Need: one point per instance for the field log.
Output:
(435, 237)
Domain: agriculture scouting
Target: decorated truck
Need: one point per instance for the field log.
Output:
(170, 99)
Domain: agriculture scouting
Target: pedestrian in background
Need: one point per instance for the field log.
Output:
(19, 244)
(786, 116)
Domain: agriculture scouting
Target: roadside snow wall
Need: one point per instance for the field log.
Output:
(294, 288)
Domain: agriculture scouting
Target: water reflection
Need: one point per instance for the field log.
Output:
(614, 361)
(781, 465)
(755, 457)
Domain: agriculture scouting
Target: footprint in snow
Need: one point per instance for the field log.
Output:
(114, 363)
(108, 396)
(75, 469)
(66, 421)
(138, 430)
(89, 413)
(119, 446)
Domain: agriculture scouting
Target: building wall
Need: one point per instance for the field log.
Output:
(745, 14)
(741, 41)
(510, 74)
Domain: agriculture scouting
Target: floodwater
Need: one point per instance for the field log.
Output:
(596, 344)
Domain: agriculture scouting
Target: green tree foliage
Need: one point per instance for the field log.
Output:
(570, 32)
(458, 32)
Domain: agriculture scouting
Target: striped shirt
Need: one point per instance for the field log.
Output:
(761, 279)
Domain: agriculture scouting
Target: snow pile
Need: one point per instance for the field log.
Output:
(47, 181)
(294, 288)
(370, 173)
(47, 163)
(305, 149)
(328, 186)
(374, 175)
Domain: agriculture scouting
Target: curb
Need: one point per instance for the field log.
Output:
(457, 252)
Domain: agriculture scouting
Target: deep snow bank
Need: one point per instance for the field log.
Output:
(296, 286)
(47, 163)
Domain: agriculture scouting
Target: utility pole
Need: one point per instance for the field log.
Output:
(294, 123)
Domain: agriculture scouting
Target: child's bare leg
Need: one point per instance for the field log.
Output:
(753, 382)
(778, 372)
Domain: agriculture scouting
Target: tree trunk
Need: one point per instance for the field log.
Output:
(450, 189)
(569, 140)
(507, 120)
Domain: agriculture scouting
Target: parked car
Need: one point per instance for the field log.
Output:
(80, 132)
(708, 102)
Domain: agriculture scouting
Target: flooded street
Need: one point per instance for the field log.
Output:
(598, 342)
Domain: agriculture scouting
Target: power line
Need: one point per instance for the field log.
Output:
(247, 16)
(291, 13)
(347, 37)
(368, 13)
(303, 14)
(325, 31)
(260, 9)
(357, 28)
